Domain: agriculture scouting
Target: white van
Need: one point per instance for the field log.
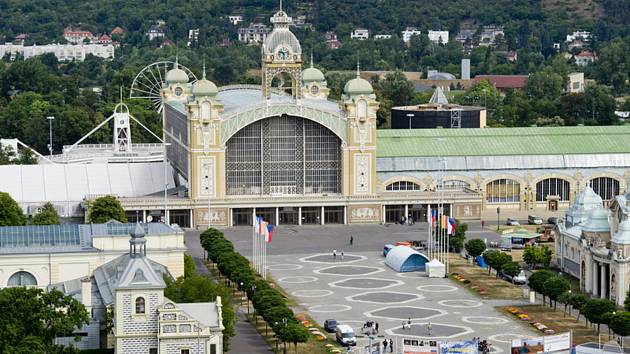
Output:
(345, 335)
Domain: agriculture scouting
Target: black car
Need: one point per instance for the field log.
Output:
(330, 325)
(552, 220)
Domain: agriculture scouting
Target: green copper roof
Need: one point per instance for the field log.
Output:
(503, 141)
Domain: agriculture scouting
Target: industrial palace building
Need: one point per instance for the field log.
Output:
(285, 151)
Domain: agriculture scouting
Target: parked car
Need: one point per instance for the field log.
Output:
(512, 222)
(534, 220)
(520, 279)
(330, 325)
(345, 335)
(552, 220)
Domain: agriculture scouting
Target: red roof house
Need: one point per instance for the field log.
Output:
(504, 82)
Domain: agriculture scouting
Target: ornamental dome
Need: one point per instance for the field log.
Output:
(312, 75)
(622, 237)
(176, 75)
(588, 200)
(358, 86)
(597, 221)
(281, 36)
(204, 87)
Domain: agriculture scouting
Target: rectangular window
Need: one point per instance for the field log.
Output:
(185, 351)
(153, 351)
(213, 349)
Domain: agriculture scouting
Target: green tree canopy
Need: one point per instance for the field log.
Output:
(457, 240)
(30, 319)
(538, 279)
(596, 310)
(620, 323)
(46, 216)
(511, 268)
(475, 247)
(10, 212)
(104, 209)
(496, 259)
(534, 255)
(554, 287)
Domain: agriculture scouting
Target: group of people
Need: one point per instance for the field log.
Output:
(388, 343)
(370, 327)
(334, 254)
(482, 345)
(407, 221)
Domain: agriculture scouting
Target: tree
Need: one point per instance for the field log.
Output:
(565, 299)
(534, 255)
(511, 268)
(104, 209)
(595, 310)
(475, 247)
(626, 302)
(577, 302)
(46, 216)
(554, 287)
(31, 319)
(620, 323)
(537, 281)
(10, 212)
(457, 240)
(189, 266)
(496, 260)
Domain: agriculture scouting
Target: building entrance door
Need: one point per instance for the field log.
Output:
(394, 213)
(289, 216)
(417, 212)
(242, 217)
(553, 205)
(311, 215)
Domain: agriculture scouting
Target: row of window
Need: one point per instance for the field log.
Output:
(506, 190)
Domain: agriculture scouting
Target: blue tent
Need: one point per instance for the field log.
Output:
(405, 259)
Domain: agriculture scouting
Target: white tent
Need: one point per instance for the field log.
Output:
(435, 269)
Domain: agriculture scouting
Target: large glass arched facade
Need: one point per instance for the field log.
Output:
(605, 187)
(283, 156)
(552, 187)
(503, 191)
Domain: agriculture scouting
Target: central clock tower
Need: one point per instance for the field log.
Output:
(281, 54)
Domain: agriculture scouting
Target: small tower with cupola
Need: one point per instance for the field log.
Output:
(314, 83)
(281, 54)
(206, 154)
(176, 84)
(360, 104)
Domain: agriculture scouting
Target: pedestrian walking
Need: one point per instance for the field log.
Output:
(409, 323)
(391, 345)
(376, 327)
(482, 223)
(429, 328)
(351, 240)
(334, 254)
(385, 342)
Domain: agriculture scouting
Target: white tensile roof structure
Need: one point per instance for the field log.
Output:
(67, 185)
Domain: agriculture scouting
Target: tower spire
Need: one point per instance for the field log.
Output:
(311, 58)
(204, 69)
(280, 5)
(358, 69)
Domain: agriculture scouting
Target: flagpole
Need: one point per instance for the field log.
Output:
(254, 259)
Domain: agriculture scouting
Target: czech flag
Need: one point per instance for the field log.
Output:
(433, 216)
(451, 223)
(269, 233)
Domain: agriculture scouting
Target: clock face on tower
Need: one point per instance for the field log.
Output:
(283, 54)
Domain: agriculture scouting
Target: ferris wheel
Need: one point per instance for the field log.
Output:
(150, 80)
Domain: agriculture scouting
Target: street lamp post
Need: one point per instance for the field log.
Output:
(50, 144)
(410, 115)
(498, 217)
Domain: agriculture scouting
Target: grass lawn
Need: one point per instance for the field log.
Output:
(560, 323)
(493, 287)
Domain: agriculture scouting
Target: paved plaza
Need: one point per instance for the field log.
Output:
(361, 287)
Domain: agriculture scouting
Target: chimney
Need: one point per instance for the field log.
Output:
(465, 69)
(86, 293)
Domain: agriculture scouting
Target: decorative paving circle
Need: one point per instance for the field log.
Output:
(405, 312)
(438, 330)
(506, 337)
(384, 297)
(484, 320)
(460, 303)
(312, 293)
(349, 270)
(330, 308)
(284, 266)
(328, 258)
(365, 283)
(437, 288)
(300, 279)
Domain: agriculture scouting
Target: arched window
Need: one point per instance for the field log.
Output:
(552, 187)
(503, 191)
(605, 187)
(205, 110)
(140, 305)
(402, 186)
(362, 110)
(455, 184)
(22, 278)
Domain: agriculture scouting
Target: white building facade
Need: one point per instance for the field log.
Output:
(63, 52)
(439, 37)
(360, 34)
